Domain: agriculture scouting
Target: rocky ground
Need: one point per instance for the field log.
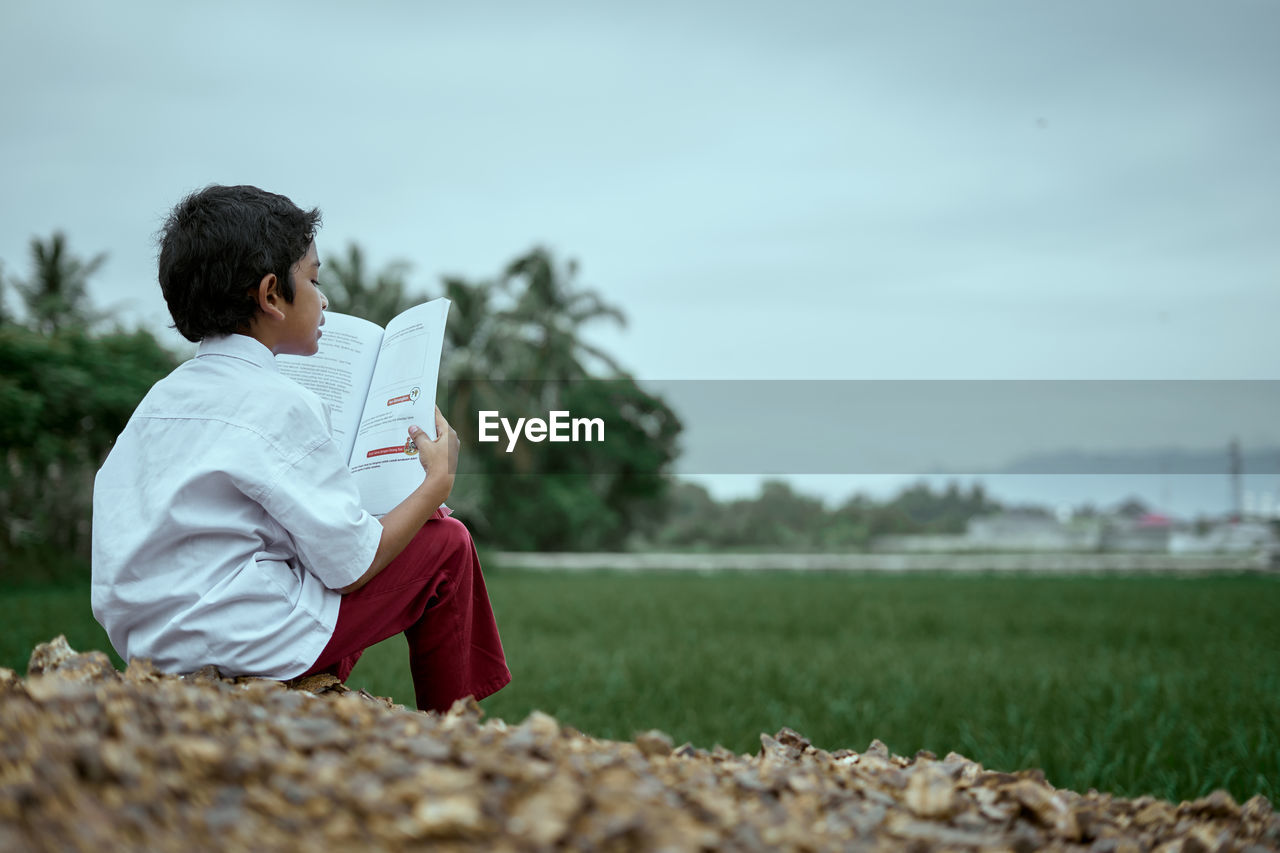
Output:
(95, 759)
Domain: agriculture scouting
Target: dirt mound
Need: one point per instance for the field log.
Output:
(91, 758)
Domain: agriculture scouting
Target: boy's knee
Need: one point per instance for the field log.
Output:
(452, 535)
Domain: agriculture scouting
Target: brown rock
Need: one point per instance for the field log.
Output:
(1155, 815)
(319, 683)
(1040, 800)
(1218, 804)
(144, 760)
(654, 742)
(930, 794)
(544, 817)
(56, 656)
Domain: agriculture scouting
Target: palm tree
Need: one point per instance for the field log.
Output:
(483, 358)
(57, 297)
(345, 283)
(549, 313)
(471, 345)
(4, 309)
(503, 333)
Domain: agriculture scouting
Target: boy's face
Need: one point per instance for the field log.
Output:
(303, 319)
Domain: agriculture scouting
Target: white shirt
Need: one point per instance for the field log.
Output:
(224, 520)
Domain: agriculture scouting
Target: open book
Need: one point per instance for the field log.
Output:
(376, 383)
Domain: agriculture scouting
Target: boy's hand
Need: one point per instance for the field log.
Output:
(439, 458)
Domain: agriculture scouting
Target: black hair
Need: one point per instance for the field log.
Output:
(217, 245)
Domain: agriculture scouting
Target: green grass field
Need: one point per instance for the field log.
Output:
(1159, 685)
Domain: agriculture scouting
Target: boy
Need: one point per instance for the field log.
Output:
(227, 529)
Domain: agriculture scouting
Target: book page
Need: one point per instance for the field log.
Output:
(340, 372)
(401, 392)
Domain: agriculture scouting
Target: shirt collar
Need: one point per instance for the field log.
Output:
(242, 347)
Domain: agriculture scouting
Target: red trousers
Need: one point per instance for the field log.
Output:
(434, 593)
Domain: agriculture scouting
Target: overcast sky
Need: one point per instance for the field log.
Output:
(821, 190)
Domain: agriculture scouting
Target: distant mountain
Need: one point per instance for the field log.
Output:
(1265, 460)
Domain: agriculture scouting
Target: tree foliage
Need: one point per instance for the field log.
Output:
(56, 294)
(549, 313)
(558, 497)
(781, 518)
(66, 392)
(5, 316)
(346, 282)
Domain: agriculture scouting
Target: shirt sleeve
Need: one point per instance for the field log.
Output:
(317, 502)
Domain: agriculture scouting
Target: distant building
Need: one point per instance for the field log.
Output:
(1035, 532)
(1013, 531)
(1226, 538)
(1147, 532)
